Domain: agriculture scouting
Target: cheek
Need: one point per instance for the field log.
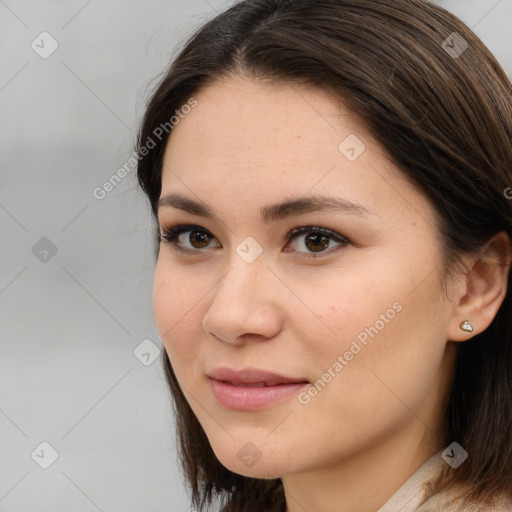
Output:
(345, 304)
(164, 310)
(174, 311)
(375, 323)
(390, 352)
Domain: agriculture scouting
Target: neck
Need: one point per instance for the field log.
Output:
(365, 481)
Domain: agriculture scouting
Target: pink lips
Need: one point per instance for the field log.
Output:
(252, 389)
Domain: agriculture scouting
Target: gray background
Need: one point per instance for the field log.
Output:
(71, 321)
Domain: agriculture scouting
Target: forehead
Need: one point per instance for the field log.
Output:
(254, 121)
(254, 143)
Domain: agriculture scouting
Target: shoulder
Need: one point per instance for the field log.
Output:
(445, 502)
(416, 494)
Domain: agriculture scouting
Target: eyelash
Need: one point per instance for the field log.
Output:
(170, 235)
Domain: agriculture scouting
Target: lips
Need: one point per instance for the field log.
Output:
(251, 385)
(252, 377)
(252, 389)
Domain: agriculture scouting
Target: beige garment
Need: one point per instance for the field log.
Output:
(412, 493)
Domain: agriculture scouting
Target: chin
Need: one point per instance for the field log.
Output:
(249, 461)
(259, 470)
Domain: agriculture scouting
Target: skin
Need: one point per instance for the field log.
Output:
(248, 144)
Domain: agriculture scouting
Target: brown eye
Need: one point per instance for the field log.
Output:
(193, 239)
(198, 238)
(201, 238)
(316, 240)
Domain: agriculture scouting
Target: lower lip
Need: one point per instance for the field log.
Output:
(243, 398)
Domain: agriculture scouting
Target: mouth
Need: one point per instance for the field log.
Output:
(252, 389)
(252, 377)
(247, 385)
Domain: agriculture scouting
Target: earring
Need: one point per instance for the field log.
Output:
(466, 326)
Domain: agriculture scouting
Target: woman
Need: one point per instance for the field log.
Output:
(331, 185)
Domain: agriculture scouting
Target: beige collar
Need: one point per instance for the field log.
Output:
(412, 492)
(410, 496)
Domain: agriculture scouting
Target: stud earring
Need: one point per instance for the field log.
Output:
(466, 326)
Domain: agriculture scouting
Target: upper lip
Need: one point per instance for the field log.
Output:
(251, 376)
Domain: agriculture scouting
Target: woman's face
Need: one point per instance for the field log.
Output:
(364, 323)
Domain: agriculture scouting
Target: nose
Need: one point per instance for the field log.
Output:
(245, 304)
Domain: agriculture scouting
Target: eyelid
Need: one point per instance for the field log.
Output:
(332, 235)
(170, 235)
(316, 230)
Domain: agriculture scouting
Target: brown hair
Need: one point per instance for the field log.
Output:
(445, 119)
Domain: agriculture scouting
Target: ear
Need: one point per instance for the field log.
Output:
(479, 296)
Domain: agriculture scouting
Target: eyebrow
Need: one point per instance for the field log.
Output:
(274, 212)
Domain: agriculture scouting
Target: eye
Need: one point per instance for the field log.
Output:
(199, 238)
(316, 239)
